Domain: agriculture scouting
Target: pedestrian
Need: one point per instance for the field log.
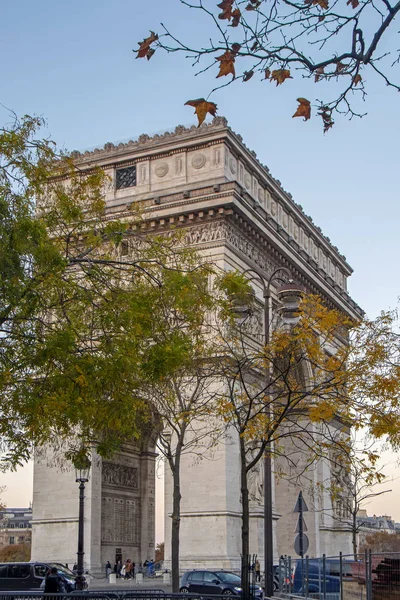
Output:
(53, 583)
(122, 572)
(128, 567)
(119, 568)
(108, 568)
(257, 570)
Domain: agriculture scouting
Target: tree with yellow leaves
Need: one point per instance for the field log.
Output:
(320, 377)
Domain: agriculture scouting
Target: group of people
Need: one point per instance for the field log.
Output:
(126, 570)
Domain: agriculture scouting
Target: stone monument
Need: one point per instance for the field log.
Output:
(208, 182)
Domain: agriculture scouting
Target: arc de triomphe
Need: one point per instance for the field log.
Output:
(208, 182)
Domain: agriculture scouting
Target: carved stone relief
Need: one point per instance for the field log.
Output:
(198, 161)
(120, 475)
(178, 165)
(217, 156)
(232, 165)
(161, 169)
(120, 520)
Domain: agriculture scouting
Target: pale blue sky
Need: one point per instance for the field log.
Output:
(72, 62)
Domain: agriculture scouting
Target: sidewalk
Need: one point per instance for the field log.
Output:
(149, 583)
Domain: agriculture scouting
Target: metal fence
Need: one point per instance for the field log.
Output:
(368, 577)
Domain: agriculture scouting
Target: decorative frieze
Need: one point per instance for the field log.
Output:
(119, 475)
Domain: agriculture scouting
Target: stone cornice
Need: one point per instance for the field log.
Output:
(183, 138)
(228, 201)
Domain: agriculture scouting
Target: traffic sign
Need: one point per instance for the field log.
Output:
(301, 505)
(297, 545)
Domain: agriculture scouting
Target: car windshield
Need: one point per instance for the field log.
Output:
(228, 577)
(61, 569)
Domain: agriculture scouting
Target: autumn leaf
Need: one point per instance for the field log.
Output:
(226, 7)
(326, 114)
(227, 66)
(354, 3)
(144, 47)
(150, 53)
(236, 14)
(254, 46)
(201, 108)
(247, 75)
(318, 73)
(280, 75)
(253, 5)
(304, 109)
(324, 4)
(339, 67)
(267, 73)
(357, 79)
(235, 47)
(321, 18)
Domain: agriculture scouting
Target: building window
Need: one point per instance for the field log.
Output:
(12, 525)
(21, 525)
(12, 539)
(125, 177)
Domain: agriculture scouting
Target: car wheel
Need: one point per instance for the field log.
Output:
(227, 593)
(184, 590)
(275, 586)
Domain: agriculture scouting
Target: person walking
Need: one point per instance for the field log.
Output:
(128, 568)
(53, 583)
(257, 570)
(108, 568)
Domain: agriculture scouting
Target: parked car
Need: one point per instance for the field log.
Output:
(24, 577)
(317, 580)
(215, 582)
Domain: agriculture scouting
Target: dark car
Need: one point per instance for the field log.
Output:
(215, 582)
(322, 579)
(24, 577)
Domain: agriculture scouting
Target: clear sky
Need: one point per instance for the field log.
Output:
(72, 62)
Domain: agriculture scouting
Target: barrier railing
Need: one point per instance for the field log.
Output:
(371, 576)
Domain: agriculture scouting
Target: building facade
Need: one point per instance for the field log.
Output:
(15, 526)
(206, 181)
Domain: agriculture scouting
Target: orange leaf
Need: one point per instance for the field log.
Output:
(339, 68)
(226, 7)
(227, 66)
(235, 47)
(236, 14)
(279, 75)
(321, 18)
(322, 3)
(267, 73)
(318, 73)
(354, 3)
(144, 47)
(304, 109)
(201, 108)
(357, 79)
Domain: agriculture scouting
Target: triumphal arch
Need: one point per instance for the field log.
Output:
(207, 181)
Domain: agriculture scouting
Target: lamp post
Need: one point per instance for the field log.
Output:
(286, 294)
(81, 477)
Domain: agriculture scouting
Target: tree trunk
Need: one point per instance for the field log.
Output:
(176, 520)
(354, 535)
(245, 523)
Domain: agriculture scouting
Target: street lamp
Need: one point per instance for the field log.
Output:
(81, 477)
(288, 295)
